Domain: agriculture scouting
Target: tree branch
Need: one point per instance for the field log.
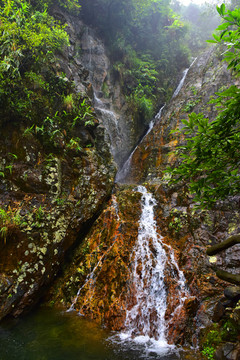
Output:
(229, 242)
(226, 276)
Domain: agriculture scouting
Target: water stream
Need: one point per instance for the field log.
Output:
(145, 321)
(180, 85)
(125, 169)
(147, 317)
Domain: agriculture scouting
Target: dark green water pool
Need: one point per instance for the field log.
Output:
(50, 335)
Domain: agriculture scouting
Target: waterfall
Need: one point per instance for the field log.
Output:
(89, 47)
(125, 169)
(145, 320)
(110, 122)
(180, 85)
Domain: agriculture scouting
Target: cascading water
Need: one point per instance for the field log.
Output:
(147, 316)
(180, 85)
(125, 169)
(145, 320)
(110, 122)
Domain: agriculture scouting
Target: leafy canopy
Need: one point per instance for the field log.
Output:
(210, 156)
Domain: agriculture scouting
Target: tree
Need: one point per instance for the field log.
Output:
(210, 157)
(34, 93)
(28, 42)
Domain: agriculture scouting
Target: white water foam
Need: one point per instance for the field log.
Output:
(146, 317)
(145, 320)
(180, 85)
(125, 169)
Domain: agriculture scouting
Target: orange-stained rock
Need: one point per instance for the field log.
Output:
(107, 248)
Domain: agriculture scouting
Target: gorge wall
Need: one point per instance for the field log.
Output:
(65, 201)
(50, 195)
(98, 282)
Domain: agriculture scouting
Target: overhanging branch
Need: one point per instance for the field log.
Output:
(226, 276)
(229, 242)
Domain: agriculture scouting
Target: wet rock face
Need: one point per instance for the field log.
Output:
(47, 196)
(90, 64)
(229, 351)
(96, 283)
(188, 231)
(46, 210)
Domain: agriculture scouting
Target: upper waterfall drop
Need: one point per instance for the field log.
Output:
(124, 171)
(180, 85)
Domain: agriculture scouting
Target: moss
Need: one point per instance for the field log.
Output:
(211, 340)
(218, 334)
(229, 331)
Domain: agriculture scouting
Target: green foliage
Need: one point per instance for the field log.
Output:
(28, 42)
(70, 5)
(210, 156)
(229, 331)
(178, 220)
(213, 339)
(191, 104)
(32, 91)
(208, 352)
(59, 130)
(145, 39)
(8, 220)
(229, 35)
(7, 168)
(39, 213)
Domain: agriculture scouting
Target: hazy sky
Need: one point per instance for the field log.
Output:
(186, 2)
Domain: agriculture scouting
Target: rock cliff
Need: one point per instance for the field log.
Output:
(50, 193)
(97, 283)
(55, 201)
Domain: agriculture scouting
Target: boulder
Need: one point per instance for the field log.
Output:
(232, 293)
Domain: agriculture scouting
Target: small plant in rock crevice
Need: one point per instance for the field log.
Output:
(9, 219)
(178, 220)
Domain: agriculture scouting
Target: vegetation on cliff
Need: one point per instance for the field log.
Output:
(33, 90)
(146, 45)
(209, 166)
(146, 41)
(210, 157)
